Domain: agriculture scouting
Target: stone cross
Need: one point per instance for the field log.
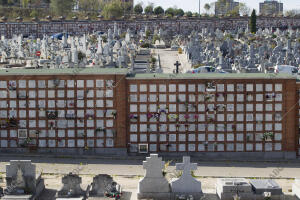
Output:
(153, 166)
(177, 64)
(186, 166)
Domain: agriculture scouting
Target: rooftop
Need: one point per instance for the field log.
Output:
(65, 71)
(214, 76)
(124, 71)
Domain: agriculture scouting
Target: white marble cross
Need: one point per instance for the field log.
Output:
(154, 166)
(186, 166)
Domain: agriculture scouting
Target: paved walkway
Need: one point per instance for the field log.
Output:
(168, 58)
(50, 165)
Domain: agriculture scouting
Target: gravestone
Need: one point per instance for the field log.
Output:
(21, 181)
(263, 188)
(227, 188)
(186, 184)
(154, 185)
(296, 188)
(71, 187)
(104, 184)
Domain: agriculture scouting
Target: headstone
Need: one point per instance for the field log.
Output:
(21, 181)
(104, 185)
(186, 184)
(228, 188)
(71, 187)
(296, 188)
(154, 185)
(264, 188)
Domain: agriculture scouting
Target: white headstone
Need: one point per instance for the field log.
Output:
(154, 185)
(186, 184)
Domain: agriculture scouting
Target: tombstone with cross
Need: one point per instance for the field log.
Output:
(186, 184)
(154, 185)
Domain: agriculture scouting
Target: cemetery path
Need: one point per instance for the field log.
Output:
(168, 58)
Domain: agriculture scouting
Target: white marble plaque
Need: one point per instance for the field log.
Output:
(278, 87)
(259, 97)
(259, 87)
(133, 88)
(211, 137)
(201, 147)
(277, 147)
(239, 147)
(90, 83)
(278, 107)
(240, 107)
(80, 83)
(162, 137)
(230, 137)
(153, 88)
(99, 83)
(269, 87)
(230, 87)
(249, 87)
(258, 147)
(162, 88)
(249, 147)
(278, 136)
(172, 137)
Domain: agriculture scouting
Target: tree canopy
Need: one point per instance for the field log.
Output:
(113, 9)
(253, 22)
(159, 10)
(138, 9)
(60, 7)
(149, 9)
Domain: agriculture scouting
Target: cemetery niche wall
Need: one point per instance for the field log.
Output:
(203, 115)
(101, 111)
(63, 112)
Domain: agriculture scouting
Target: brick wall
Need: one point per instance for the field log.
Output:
(234, 116)
(156, 114)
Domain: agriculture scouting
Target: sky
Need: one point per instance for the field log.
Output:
(193, 5)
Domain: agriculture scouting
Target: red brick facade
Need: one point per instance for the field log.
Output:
(112, 111)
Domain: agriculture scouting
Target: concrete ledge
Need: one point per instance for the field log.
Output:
(233, 155)
(69, 151)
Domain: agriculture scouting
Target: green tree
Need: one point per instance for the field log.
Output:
(149, 9)
(25, 3)
(244, 9)
(207, 7)
(138, 9)
(179, 12)
(159, 10)
(89, 5)
(253, 22)
(170, 12)
(189, 14)
(60, 7)
(113, 9)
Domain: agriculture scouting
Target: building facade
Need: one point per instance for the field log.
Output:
(106, 111)
(271, 7)
(224, 7)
